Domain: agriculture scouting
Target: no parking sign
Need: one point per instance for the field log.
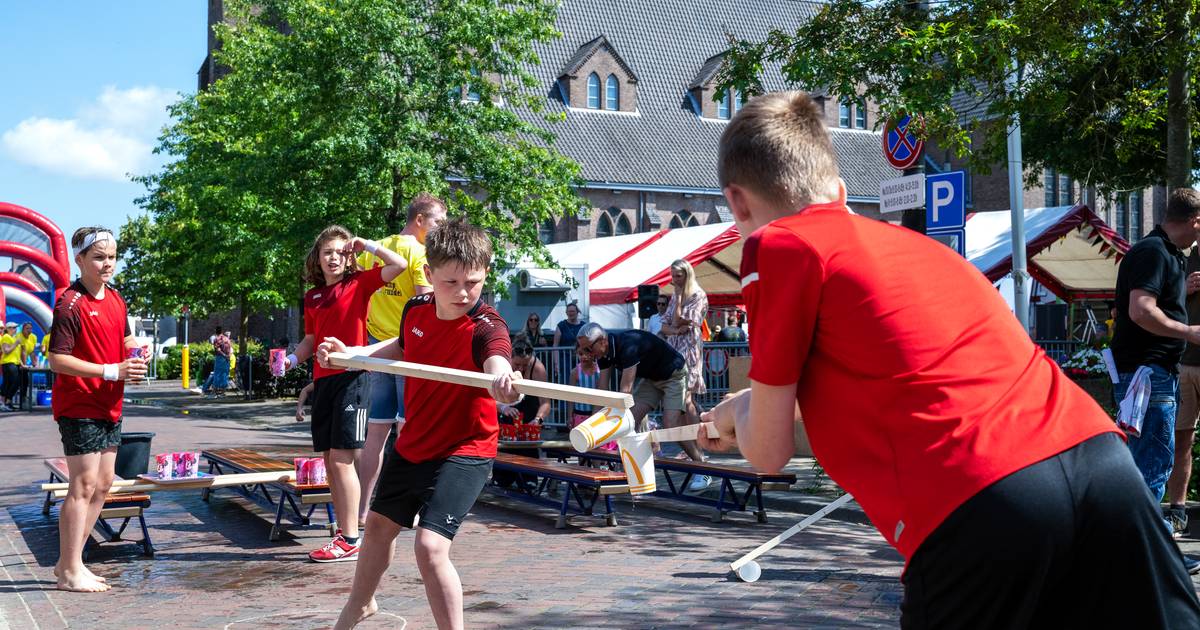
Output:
(901, 146)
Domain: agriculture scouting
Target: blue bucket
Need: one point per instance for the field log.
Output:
(43, 399)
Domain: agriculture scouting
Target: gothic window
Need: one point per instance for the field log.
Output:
(612, 93)
(593, 91)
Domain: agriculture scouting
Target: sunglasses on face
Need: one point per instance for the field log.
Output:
(522, 351)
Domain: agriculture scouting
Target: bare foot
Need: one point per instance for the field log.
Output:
(88, 572)
(352, 616)
(79, 582)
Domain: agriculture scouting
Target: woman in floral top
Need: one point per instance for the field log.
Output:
(681, 326)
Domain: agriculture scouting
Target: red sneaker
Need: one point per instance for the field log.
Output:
(336, 550)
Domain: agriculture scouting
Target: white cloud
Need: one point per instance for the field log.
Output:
(109, 139)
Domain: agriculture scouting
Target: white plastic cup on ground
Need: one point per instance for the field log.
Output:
(604, 426)
(637, 457)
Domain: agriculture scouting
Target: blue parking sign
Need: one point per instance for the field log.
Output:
(945, 201)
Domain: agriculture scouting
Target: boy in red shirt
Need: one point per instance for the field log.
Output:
(443, 457)
(1005, 486)
(337, 306)
(88, 353)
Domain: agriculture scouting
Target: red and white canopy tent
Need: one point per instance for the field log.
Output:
(617, 265)
(1070, 251)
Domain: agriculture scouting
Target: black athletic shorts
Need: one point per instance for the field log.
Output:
(1073, 541)
(81, 436)
(442, 491)
(339, 412)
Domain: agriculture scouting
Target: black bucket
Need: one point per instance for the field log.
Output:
(133, 457)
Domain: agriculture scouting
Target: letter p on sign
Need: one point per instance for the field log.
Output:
(945, 195)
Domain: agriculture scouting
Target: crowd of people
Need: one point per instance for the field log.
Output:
(1013, 498)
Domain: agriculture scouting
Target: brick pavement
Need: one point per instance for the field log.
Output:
(665, 566)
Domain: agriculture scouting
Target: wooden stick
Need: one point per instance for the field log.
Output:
(479, 379)
(791, 531)
(216, 481)
(684, 433)
(119, 483)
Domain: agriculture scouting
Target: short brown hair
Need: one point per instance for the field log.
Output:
(424, 203)
(777, 146)
(1182, 205)
(312, 264)
(457, 241)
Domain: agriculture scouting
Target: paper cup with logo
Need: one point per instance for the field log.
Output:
(606, 425)
(278, 361)
(637, 457)
(300, 476)
(164, 464)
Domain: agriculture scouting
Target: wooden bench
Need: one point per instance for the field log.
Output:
(288, 497)
(582, 483)
(729, 498)
(116, 506)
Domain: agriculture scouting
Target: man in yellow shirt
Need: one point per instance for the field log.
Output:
(425, 213)
(10, 362)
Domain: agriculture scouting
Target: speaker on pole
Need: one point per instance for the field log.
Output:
(647, 300)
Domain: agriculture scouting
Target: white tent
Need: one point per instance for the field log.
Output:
(617, 265)
(1069, 250)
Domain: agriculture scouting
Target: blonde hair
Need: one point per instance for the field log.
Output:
(778, 147)
(312, 263)
(690, 286)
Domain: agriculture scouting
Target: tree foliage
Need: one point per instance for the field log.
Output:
(341, 111)
(1088, 78)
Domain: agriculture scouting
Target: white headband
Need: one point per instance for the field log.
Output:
(91, 239)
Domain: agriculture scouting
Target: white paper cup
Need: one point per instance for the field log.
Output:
(606, 425)
(637, 457)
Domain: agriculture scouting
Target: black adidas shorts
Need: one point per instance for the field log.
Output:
(339, 413)
(442, 491)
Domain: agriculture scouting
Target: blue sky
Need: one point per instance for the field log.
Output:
(85, 86)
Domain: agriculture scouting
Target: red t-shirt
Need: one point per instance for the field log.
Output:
(92, 330)
(340, 311)
(444, 419)
(917, 385)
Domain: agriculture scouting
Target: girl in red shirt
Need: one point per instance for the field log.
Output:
(336, 306)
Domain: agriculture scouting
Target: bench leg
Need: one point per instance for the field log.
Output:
(276, 530)
(121, 530)
(719, 512)
(761, 514)
(50, 495)
(333, 524)
(561, 523)
(147, 546)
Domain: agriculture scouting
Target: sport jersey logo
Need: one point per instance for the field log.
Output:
(417, 331)
(317, 296)
(94, 313)
(349, 408)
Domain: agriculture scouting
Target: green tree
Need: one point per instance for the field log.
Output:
(1088, 78)
(340, 111)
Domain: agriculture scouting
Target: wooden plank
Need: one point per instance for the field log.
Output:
(216, 481)
(309, 499)
(478, 379)
(122, 512)
(614, 489)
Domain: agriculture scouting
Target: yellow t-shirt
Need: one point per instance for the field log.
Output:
(30, 342)
(13, 356)
(46, 344)
(387, 305)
